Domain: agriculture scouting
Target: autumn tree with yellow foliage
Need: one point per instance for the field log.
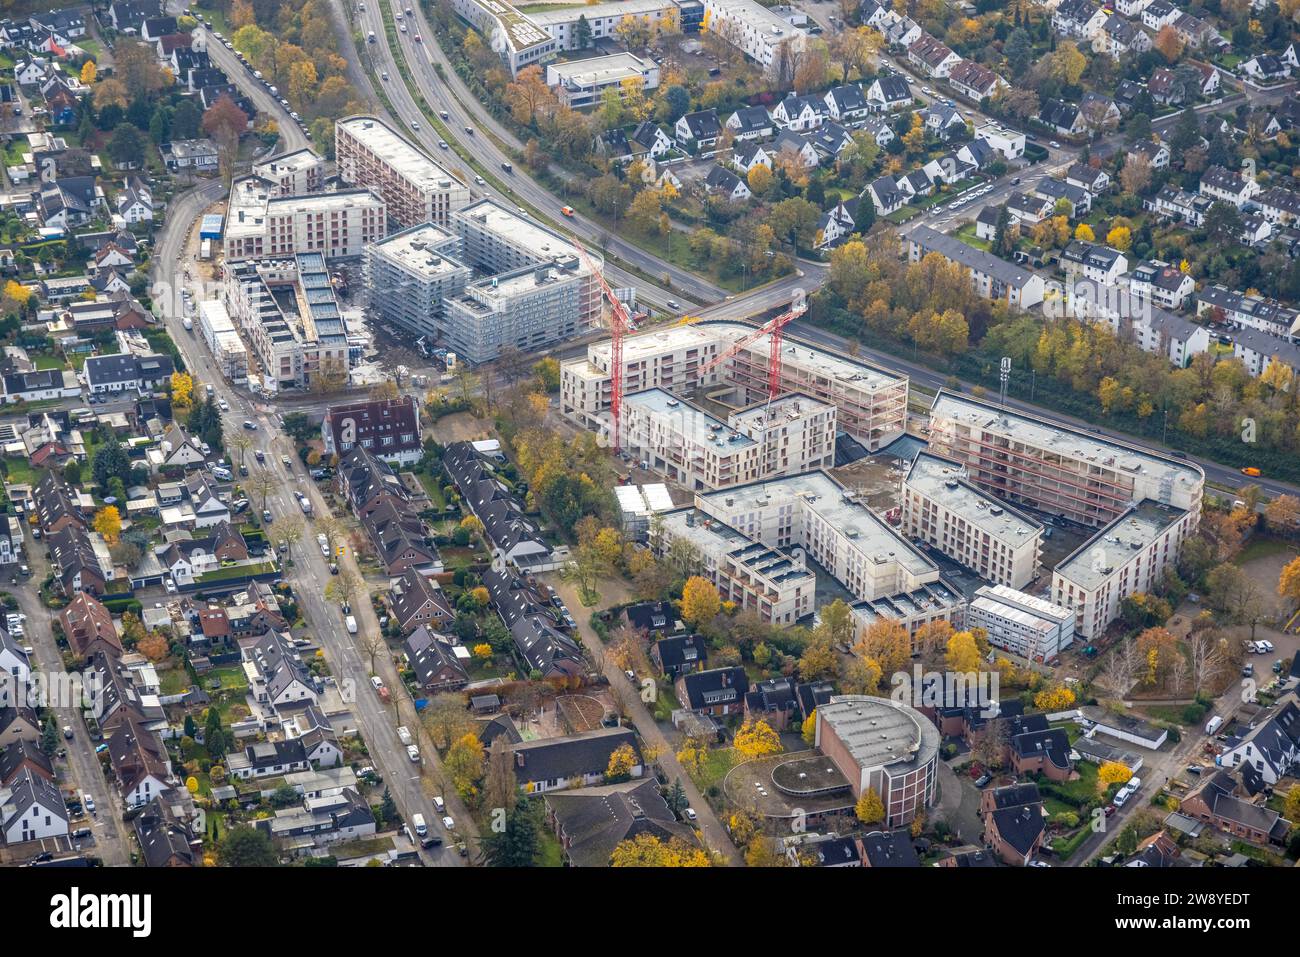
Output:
(870, 809)
(1112, 772)
(1055, 698)
(646, 850)
(700, 601)
(108, 522)
(756, 739)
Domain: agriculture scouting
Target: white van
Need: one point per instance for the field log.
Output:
(421, 828)
(351, 624)
(1214, 724)
(404, 734)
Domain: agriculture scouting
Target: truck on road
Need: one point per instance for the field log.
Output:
(351, 623)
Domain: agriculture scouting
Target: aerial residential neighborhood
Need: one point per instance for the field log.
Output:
(653, 433)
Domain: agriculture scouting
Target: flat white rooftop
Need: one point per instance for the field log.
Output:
(1111, 548)
(564, 14)
(398, 152)
(830, 500)
(1064, 440)
(518, 230)
(418, 250)
(1028, 612)
(691, 421)
(600, 70)
(945, 482)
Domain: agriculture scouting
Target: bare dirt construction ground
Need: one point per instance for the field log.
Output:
(580, 712)
(461, 427)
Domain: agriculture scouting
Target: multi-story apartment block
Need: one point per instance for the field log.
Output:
(991, 276)
(408, 276)
(1128, 556)
(1021, 624)
(758, 32)
(771, 582)
(942, 508)
(261, 223)
(870, 402)
(371, 154)
(815, 513)
(292, 174)
(603, 19)
(292, 349)
(514, 35)
(1249, 311)
(789, 435)
(223, 340)
(1054, 468)
(501, 240)
(582, 83)
(528, 308)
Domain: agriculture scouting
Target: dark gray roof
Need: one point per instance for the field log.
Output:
(983, 262)
(548, 759)
(596, 819)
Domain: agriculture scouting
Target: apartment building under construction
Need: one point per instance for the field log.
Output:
(870, 402)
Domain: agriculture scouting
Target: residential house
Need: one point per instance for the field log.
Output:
(1271, 748)
(125, 372)
(434, 661)
(800, 113)
(1078, 19)
(889, 93)
(991, 276)
(415, 600)
(1093, 261)
(750, 123)
(932, 57)
(590, 823)
(390, 428)
(652, 139)
(31, 809)
(723, 182)
(698, 133)
(517, 538)
(88, 627)
(1161, 283)
(887, 196)
(718, 692)
(679, 654)
(140, 763)
(81, 560)
(578, 760)
(1063, 118)
(1054, 190)
(847, 103)
(1014, 822)
(1226, 186)
(1214, 801)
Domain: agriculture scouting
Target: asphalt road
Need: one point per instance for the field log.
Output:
(310, 573)
(291, 136)
(463, 110)
(81, 769)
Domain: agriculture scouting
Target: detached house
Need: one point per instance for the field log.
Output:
(1093, 261)
(651, 139)
(1078, 19)
(750, 123)
(1215, 802)
(556, 764)
(31, 809)
(932, 57)
(718, 692)
(698, 132)
(847, 103)
(800, 113)
(723, 182)
(1014, 822)
(889, 93)
(977, 82)
(1062, 117)
(1271, 749)
(434, 661)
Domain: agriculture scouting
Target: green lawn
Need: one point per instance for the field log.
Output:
(174, 681)
(716, 765)
(1263, 547)
(19, 470)
(235, 571)
(48, 362)
(967, 235)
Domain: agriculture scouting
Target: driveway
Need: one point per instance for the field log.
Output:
(715, 836)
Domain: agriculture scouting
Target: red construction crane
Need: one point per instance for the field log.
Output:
(775, 328)
(620, 325)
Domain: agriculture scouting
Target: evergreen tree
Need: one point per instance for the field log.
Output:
(388, 808)
(50, 736)
(517, 844)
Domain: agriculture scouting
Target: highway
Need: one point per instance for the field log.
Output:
(463, 111)
(310, 574)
